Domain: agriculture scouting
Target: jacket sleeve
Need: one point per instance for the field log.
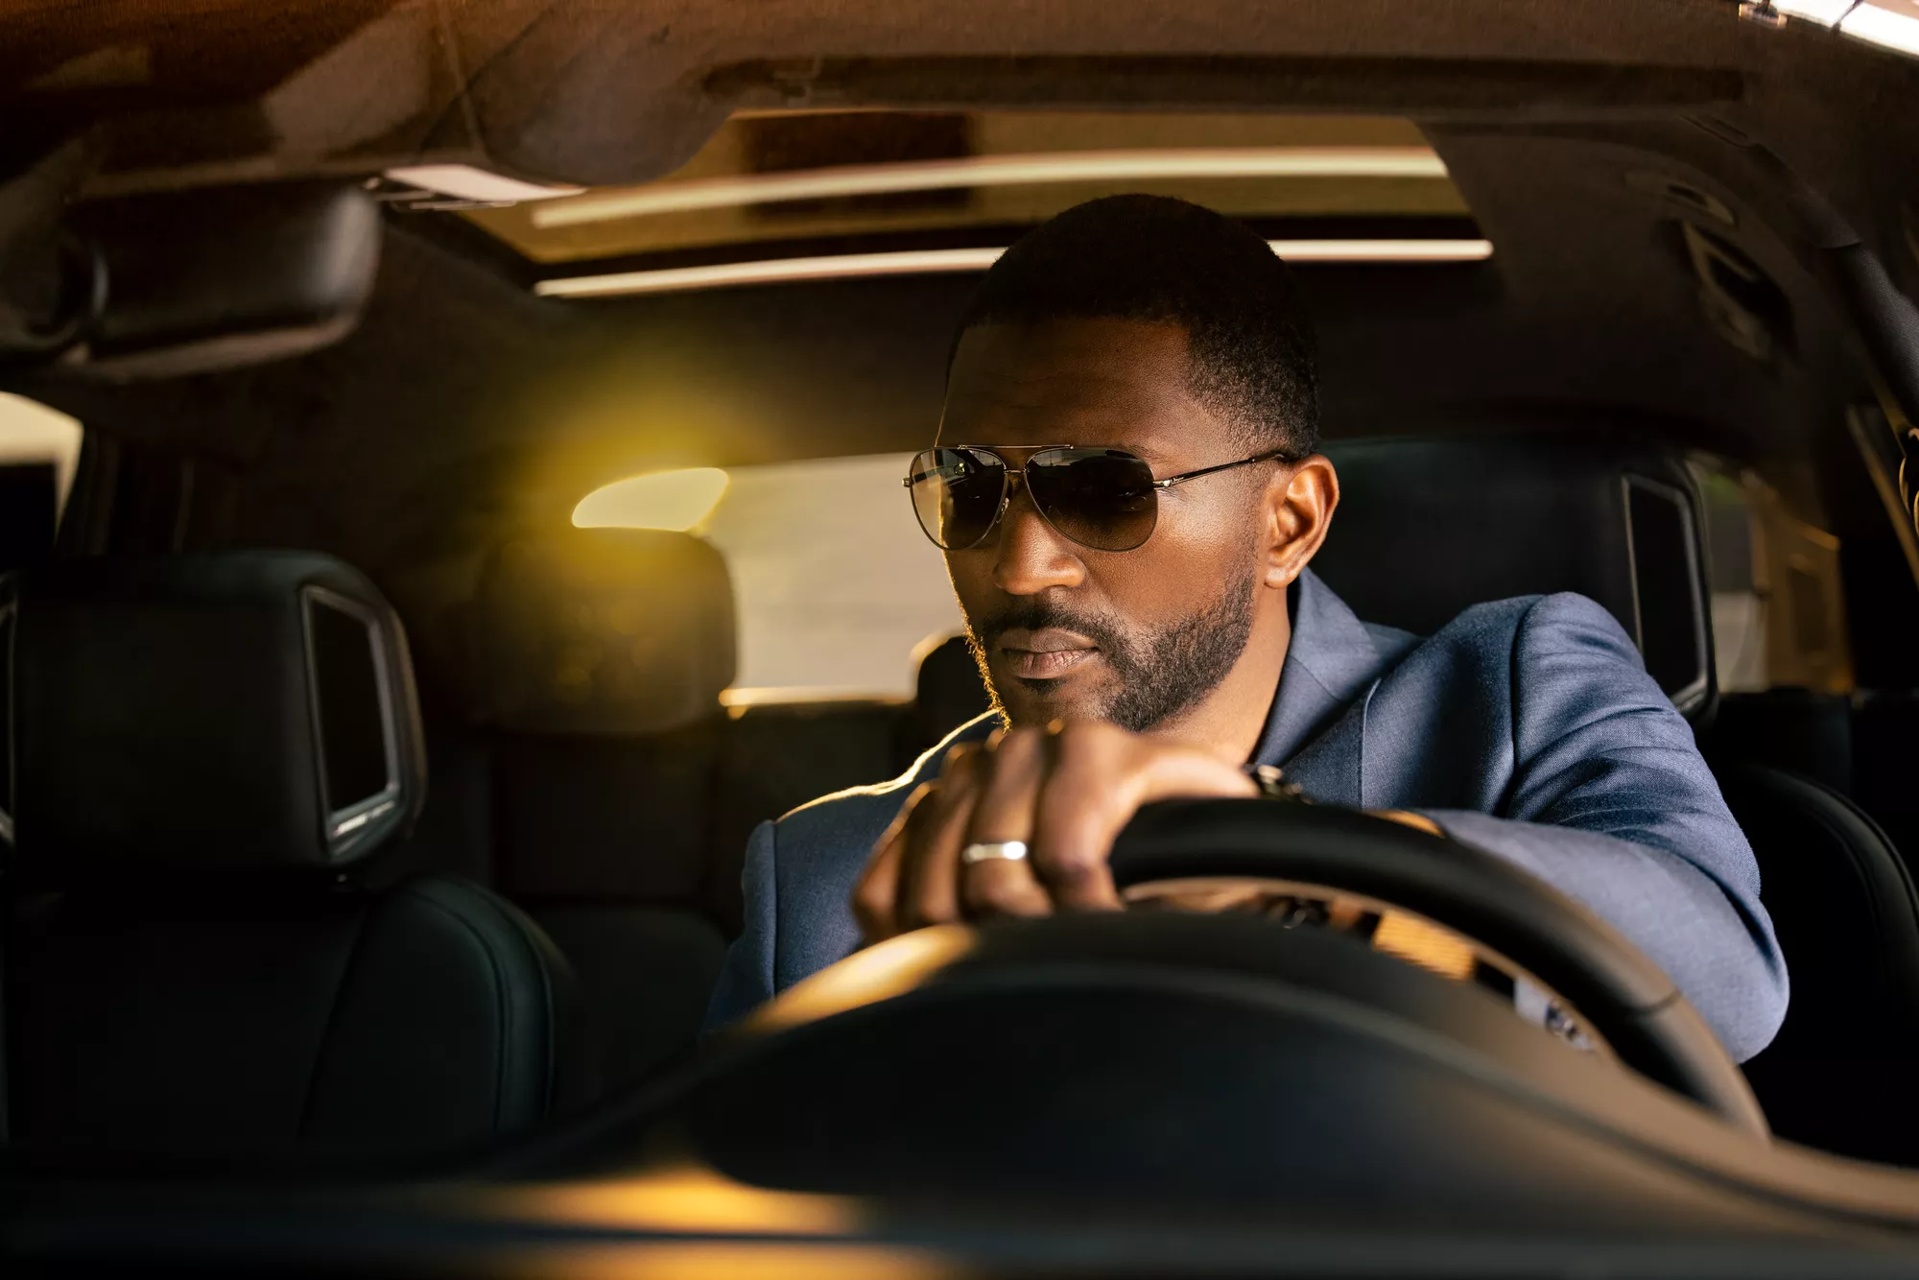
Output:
(746, 979)
(1611, 802)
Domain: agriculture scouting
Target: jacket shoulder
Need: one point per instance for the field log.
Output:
(1528, 622)
(832, 815)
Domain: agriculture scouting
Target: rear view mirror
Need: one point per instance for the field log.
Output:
(154, 286)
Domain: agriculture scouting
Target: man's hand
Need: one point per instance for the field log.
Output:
(1064, 791)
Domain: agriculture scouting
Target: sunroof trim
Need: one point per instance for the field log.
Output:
(928, 261)
(1138, 165)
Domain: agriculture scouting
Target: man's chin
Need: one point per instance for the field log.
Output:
(1041, 702)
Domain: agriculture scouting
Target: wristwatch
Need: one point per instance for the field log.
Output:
(1272, 784)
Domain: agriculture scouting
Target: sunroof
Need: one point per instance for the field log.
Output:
(800, 195)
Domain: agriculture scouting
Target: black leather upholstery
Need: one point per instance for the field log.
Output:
(598, 658)
(1797, 730)
(602, 631)
(1428, 526)
(430, 1018)
(948, 691)
(223, 986)
(1840, 1074)
(197, 711)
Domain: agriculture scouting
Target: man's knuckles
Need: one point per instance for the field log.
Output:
(1001, 889)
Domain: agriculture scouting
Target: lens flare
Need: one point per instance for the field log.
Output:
(674, 500)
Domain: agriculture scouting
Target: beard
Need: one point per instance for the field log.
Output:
(1158, 674)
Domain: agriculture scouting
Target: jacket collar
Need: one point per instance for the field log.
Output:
(1331, 663)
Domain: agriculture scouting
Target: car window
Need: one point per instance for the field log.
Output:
(1778, 614)
(838, 592)
(835, 584)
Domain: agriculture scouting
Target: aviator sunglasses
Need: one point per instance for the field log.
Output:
(1105, 499)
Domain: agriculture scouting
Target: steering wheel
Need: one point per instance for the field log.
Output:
(1199, 1056)
(1627, 1000)
(1619, 995)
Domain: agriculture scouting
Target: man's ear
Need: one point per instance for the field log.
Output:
(1299, 510)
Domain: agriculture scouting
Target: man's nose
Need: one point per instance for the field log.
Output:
(1030, 555)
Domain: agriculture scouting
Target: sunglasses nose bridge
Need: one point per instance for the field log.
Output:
(1011, 487)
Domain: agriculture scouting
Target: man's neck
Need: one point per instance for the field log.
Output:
(1230, 720)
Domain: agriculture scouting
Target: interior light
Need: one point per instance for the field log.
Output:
(674, 500)
(1823, 12)
(926, 261)
(1891, 24)
(997, 171)
(464, 182)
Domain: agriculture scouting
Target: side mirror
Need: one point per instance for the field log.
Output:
(157, 286)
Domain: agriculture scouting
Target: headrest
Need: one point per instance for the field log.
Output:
(948, 689)
(1426, 527)
(601, 631)
(248, 709)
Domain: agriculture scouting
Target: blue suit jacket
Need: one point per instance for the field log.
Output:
(1526, 727)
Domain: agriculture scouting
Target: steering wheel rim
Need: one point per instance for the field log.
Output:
(1650, 1026)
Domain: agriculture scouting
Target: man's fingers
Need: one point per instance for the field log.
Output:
(1085, 801)
(877, 891)
(1064, 792)
(1100, 777)
(1004, 812)
(928, 890)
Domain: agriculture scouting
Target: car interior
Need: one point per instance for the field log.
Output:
(373, 805)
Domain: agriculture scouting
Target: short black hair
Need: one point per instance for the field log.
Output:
(1154, 258)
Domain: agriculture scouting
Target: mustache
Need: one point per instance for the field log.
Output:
(1037, 615)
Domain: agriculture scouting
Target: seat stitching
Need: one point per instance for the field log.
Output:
(499, 992)
(517, 925)
(347, 972)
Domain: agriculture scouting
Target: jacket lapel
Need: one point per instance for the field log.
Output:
(1316, 730)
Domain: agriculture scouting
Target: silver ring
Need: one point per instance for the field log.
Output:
(994, 851)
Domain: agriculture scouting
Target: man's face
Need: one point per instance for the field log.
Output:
(1065, 632)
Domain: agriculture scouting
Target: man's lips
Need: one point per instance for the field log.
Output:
(1046, 654)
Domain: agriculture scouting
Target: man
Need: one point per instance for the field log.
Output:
(1127, 493)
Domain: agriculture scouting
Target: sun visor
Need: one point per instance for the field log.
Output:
(602, 631)
(243, 710)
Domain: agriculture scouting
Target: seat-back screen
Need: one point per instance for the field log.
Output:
(353, 734)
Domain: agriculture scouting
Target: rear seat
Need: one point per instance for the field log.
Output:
(595, 779)
(595, 663)
(212, 752)
(777, 757)
(948, 692)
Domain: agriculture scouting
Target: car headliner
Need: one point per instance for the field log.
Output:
(464, 405)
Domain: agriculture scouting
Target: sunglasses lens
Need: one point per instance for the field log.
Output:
(1100, 498)
(956, 495)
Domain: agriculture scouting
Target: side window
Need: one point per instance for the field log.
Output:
(835, 584)
(1778, 611)
(39, 450)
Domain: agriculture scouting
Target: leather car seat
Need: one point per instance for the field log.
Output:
(208, 749)
(947, 693)
(596, 662)
(1427, 526)
(1839, 1075)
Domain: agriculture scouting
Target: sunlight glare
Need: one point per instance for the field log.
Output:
(674, 500)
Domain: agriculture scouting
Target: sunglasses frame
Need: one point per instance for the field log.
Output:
(1009, 471)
